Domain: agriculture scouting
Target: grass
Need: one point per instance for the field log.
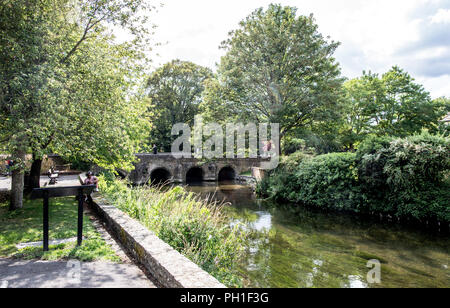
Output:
(25, 225)
(196, 228)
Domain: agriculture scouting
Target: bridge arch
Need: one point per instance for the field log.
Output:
(227, 173)
(160, 176)
(179, 168)
(195, 175)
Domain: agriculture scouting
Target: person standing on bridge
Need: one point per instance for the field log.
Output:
(155, 149)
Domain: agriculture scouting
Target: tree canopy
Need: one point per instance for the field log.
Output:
(388, 105)
(278, 68)
(175, 91)
(66, 85)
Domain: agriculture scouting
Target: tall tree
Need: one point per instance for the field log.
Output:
(175, 91)
(26, 78)
(360, 102)
(390, 105)
(406, 108)
(278, 68)
(45, 85)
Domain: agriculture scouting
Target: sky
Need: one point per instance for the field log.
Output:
(374, 34)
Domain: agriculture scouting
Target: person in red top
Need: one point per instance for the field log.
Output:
(9, 164)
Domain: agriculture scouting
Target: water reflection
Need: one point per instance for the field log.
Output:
(263, 223)
(289, 246)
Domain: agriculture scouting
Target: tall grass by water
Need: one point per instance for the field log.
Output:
(193, 226)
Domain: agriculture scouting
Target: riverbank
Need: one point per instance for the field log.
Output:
(195, 227)
(402, 179)
(295, 247)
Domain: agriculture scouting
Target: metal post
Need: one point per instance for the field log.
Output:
(45, 215)
(80, 216)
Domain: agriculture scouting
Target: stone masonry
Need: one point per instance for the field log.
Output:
(177, 169)
(169, 268)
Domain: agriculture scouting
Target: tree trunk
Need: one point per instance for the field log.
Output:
(35, 174)
(17, 182)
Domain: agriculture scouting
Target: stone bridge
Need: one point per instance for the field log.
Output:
(164, 167)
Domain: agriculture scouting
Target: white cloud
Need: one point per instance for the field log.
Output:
(375, 34)
(442, 16)
(441, 85)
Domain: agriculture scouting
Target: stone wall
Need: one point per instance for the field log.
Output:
(178, 168)
(166, 265)
(258, 173)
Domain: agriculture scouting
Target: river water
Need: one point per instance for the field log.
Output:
(291, 247)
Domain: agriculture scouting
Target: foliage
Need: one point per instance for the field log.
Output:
(320, 137)
(404, 178)
(279, 183)
(328, 181)
(293, 145)
(25, 226)
(443, 104)
(325, 181)
(196, 228)
(175, 91)
(390, 105)
(278, 68)
(105, 124)
(66, 86)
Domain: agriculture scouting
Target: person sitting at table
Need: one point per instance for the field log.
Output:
(91, 180)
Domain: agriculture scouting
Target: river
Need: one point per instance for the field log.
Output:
(292, 247)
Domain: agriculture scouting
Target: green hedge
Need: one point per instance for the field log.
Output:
(405, 178)
(328, 181)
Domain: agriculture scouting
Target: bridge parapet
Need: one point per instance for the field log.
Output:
(162, 167)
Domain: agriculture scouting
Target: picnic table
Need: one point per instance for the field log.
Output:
(54, 192)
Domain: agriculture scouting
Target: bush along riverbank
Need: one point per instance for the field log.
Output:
(405, 179)
(194, 227)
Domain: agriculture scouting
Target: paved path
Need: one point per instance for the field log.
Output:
(71, 274)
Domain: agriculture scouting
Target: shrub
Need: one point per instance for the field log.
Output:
(194, 227)
(328, 181)
(404, 178)
(325, 181)
(278, 184)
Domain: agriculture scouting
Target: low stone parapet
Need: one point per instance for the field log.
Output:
(165, 264)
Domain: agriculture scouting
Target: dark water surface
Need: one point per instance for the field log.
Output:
(294, 247)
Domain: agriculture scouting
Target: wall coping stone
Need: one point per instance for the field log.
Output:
(170, 268)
